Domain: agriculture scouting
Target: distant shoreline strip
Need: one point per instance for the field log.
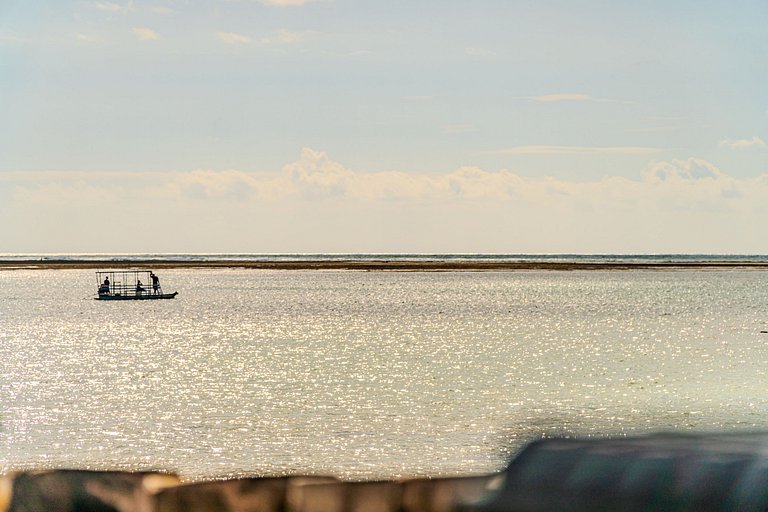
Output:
(378, 265)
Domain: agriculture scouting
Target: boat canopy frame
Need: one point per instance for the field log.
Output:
(129, 284)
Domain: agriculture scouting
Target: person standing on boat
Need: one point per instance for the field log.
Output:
(155, 283)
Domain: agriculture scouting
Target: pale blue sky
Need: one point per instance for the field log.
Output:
(563, 111)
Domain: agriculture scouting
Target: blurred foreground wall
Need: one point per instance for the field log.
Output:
(658, 472)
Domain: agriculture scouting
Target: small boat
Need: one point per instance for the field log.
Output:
(129, 285)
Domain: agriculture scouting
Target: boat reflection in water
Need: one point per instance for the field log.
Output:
(130, 285)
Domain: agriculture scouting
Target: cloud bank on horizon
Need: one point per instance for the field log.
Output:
(443, 128)
(316, 204)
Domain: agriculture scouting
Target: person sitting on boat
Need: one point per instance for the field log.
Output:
(139, 287)
(155, 283)
(104, 288)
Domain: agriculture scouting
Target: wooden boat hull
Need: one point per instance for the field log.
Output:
(143, 296)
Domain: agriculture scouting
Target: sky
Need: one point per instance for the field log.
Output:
(371, 126)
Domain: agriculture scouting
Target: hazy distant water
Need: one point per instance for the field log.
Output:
(369, 375)
(576, 258)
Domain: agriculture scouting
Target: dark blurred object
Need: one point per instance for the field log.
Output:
(417, 495)
(324, 494)
(85, 491)
(446, 494)
(92, 491)
(238, 495)
(348, 497)
(663, 472)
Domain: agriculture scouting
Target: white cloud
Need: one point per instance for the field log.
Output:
(316, 176)
(754, 142)
(233, 38)
(475, 183)
(230, 185)
(162, 10)
(695, 184)
(145, 34)
(688, 205)
(575, 150)
(691, 169)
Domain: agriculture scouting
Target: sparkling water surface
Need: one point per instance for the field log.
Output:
(368, 375)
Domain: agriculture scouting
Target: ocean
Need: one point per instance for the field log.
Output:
(574, 258)
(370, 375)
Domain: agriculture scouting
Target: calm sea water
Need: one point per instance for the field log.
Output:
(369, 375)
(580, 258)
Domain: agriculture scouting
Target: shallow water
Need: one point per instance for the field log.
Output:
(369, 375)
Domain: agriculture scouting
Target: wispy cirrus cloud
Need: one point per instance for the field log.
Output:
(286, 3)
(570, 96)
(113, 7)
(652, 129)
(551, 98)
(576, 150)
(13, 38)
(275, 38)
(87, 37)
(130, 7)
(145, 34)
(754, 142)
(475, 51)
(233, 38)
(284, 37)
(456, 129)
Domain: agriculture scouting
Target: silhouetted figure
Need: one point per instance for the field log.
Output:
(104, 288)
(139, 287)
(155, 283)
